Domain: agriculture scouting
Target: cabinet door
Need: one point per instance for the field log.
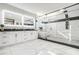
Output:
(60, 34)
(75, 32)
(1, 38)
(24, 35)
(18, 36)
(61, 30)
(12, 38)
(33, 35)
(4, 39)
(30, 35)
(27, 35)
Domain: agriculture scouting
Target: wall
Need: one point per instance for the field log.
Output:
(58, 32)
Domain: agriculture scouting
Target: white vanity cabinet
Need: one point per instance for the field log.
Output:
(21, 36)
(13, 37)
(29, 35)
(10, 38)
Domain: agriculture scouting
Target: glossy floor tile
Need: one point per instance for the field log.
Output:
(39, 47)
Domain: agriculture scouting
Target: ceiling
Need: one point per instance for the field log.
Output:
(40, 8)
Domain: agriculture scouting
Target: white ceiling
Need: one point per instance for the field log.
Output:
(40, 8)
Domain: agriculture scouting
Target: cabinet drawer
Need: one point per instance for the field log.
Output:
(5, 51)
(7, 38)
(4, 40)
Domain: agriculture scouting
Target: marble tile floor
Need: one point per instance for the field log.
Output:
(39, 47)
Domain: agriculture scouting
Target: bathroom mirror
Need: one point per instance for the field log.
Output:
(12, 18)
